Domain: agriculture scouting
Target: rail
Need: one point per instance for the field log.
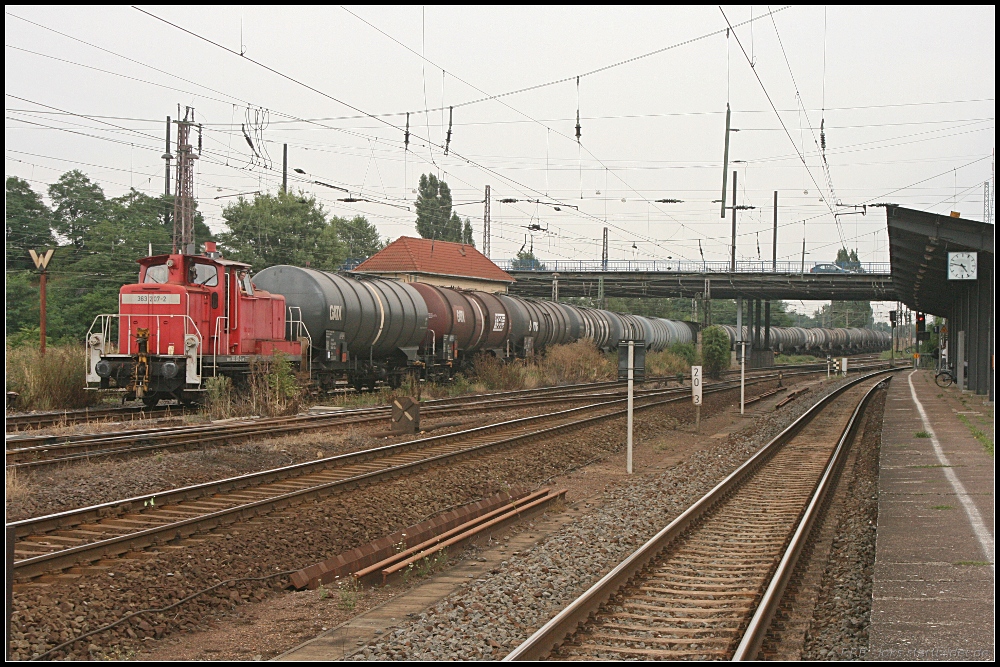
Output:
(676, 266)
(565, 623)
(754, 635)
(313, 478)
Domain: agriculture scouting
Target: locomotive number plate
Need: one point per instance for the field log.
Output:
(165, 299)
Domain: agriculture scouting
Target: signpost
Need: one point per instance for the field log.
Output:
(42, 264)
(743, 373)
(631, 367)
(696, 384)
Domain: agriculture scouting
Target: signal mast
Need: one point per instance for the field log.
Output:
(184, 189)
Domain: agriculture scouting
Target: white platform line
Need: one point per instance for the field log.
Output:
(975, 519)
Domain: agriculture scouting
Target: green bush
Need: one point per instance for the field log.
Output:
(715, 350)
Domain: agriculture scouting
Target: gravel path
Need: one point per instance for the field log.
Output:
(493, 615)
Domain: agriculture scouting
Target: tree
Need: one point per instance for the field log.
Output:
(715, 350)
(848, 260)
(435, 219)
(526, 261)
(281, 229)
(79, 204)
(360, 237)
(133, 224)
(28, 221)
(846, 313)
(467, 234)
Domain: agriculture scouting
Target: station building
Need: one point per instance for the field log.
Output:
(441, 263)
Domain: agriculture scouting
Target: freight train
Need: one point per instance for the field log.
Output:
(192, 317)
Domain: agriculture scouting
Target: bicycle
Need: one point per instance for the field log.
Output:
(943, 378)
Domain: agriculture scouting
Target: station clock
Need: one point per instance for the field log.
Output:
(962, 266)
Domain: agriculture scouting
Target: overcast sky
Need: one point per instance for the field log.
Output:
(905, 95)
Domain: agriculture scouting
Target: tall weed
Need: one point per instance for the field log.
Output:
(270, 389)
(53, 381)
(496, 375)
(575, 363)
(669, 362)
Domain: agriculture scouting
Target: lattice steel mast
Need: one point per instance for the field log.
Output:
(184, 185)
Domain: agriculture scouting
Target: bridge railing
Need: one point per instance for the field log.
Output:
(664, 265)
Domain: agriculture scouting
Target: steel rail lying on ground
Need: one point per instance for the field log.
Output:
(40, 526)
(565, 623)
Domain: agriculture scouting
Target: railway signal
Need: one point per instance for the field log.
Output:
(42, 264)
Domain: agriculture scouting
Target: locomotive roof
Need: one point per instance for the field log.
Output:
(442, 258)
(153, 259)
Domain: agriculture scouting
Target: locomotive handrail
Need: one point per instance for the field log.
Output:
(106, 330)
(218, 339)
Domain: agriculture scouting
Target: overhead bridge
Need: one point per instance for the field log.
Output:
(751, 280)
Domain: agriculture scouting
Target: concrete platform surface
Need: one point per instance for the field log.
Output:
(933, 594)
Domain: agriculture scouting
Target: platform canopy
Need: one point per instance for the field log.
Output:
(919, 247)
(919, 243)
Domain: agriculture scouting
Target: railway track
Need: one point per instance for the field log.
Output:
(60, 541)
(36, 420)
(708, 585)
(27, 422)
(36, 451)
(43, 450)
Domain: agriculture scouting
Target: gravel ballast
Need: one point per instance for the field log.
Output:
(841, 619)
(492, 615)
(62, 609)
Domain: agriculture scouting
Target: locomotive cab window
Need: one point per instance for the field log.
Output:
(245, 283)
(203, 274)
(156, 274)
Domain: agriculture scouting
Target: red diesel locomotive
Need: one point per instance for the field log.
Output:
(188, 318)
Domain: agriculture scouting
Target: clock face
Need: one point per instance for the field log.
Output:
(962, 266)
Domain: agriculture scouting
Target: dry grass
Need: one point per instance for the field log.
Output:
(574, 363)
(15, 488)
(54, 381)
(667, 362)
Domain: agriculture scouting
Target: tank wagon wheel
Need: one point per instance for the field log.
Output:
(150, 401)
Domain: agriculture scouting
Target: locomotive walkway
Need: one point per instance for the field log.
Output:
(933, 594)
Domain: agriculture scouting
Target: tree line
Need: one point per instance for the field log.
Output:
(97, 240)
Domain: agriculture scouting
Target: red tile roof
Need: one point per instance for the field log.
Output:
(442, 258)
